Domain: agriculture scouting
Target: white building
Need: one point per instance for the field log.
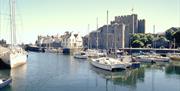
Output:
(48, 41)
(72, 40)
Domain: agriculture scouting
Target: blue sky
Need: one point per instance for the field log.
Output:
(42, 17)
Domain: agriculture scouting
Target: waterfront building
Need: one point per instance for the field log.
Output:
(116, 35)
(49, 41)
(133, 25)
(72, 40)
(119, 32)
(67, 40)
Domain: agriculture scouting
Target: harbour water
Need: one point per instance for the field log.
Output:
(56, 72)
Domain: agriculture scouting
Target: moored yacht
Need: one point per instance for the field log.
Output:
(110, 64)
(95, 53)
(175, 57)
(15, 56)
(80, 55)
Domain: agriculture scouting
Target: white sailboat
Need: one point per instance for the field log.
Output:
(16, 56)
(95, 53)
(108, 63)
(80, 55)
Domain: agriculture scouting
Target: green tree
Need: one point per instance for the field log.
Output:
(169, 34)
(150, 38)
(177, 38)
(135, 37)
(161, 42)
(137, 44)
(144, 40)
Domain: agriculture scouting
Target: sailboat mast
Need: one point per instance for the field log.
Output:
(155, 38)
(97, 34)
(115, 45)
(107, 32)
(12, 21)
(88, 36)
(0, 20)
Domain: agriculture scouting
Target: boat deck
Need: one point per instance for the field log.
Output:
(3, 50)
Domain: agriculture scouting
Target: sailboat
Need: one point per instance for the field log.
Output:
(109, 63)
(95, 53)
(81, 54)
(16, 56)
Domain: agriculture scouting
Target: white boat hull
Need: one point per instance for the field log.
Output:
(102, 66)
(80, 56)
(109, 66)
(175, 57)
(14, 59)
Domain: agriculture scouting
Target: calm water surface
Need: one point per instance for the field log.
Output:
(56, 72)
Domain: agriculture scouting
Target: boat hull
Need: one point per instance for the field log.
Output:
(102, 66)
(13, 60)
(80, 56)
(177, 58)
(5, 82)
(107, 66)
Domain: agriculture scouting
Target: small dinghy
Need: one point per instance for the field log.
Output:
(5, 82)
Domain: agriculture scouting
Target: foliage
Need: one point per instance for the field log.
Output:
(161, 42)
(148, 40)
(170, 34)
(143, 39)
(177, 38)
(137, 43)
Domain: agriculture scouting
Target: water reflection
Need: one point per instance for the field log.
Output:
(173, 68)
(19, 77)
(16, 74)
(124, 78)
(4, 73)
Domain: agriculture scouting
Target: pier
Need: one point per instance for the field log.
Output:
(157, 50)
